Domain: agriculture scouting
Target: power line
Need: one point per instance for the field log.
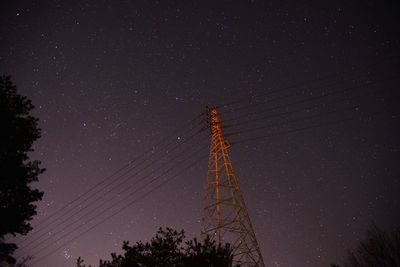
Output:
(332, 85)
(189, 166)
(127, 179)
(102, 197)
(240, 141)
(71, 219)
(129, 187)
(117, 172)
(84, 208)
(295, 111)
(45, 223)
(327, 123)
(117, 202)
(304, 83)
(239, 132)
(301, 101)
(292, 121)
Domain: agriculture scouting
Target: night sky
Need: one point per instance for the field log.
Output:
(308, 91)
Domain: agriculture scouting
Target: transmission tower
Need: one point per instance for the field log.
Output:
(226, 219)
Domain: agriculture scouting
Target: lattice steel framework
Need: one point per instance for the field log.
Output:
(226, 219)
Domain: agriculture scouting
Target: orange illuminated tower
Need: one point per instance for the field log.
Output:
(226, 219)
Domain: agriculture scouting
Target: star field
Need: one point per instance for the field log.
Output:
(109, 80)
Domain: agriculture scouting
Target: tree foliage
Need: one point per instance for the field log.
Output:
(168, 248)
(378, 249)
(18, 132)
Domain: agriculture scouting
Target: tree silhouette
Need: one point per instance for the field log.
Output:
(167, 249)
(80, 262)
(207, 254)
(18, 132)
(378, 249)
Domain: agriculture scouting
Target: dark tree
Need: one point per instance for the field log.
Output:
(199, 254)
(378, 249)
(168, 248)
(18, 132)
(80, 263)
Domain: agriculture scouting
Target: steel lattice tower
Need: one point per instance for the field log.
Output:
(226, 219)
